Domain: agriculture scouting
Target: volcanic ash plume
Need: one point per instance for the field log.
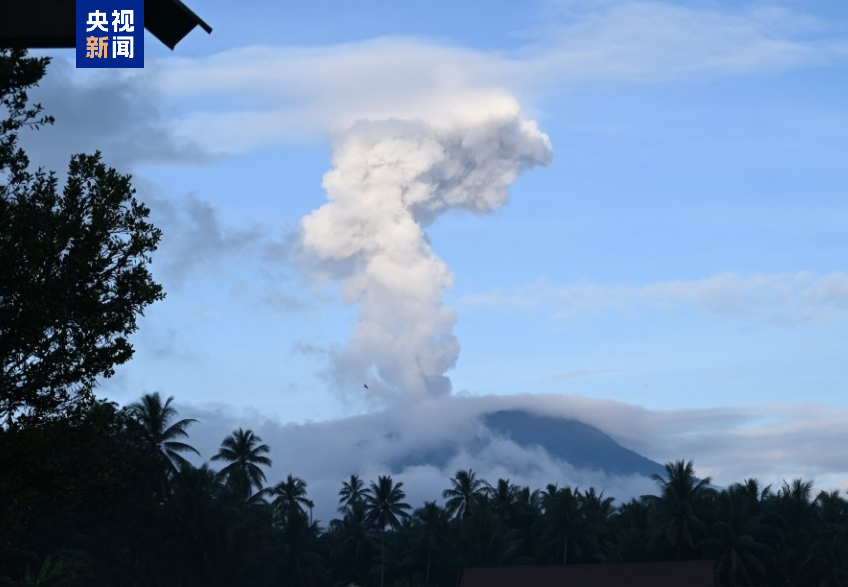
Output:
(390, 178)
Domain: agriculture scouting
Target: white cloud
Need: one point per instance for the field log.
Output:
(286, 93)
(252, 96)
(772, 297)
(660, 40)
(769, 442)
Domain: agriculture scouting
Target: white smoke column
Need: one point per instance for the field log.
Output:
(390, 178)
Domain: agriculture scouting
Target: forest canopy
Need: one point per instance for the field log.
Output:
(120, 500)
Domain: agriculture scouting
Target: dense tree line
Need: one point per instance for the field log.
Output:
(105, 496)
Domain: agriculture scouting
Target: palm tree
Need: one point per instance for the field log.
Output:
(563, 518)
(244, 453)
(194, 514)
(432, 526)
(467, 491)
(352, 491)
(525, 517)
(675, 513)
(597, 511)
(631, 526)
(351, 537)
(795, 509)
(298, 540)
(291, 498)
(502, 496)
(159, 433)
(737, 538)
(385, 508)
(483, 539)
(830, 546)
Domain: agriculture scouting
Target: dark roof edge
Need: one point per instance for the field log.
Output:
(193, 16)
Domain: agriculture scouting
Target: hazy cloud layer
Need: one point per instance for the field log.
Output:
(294, 92)
(771, 443)
(772, 297)
(194, 238)
(121, 115)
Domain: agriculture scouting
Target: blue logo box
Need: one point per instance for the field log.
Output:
(110, 33)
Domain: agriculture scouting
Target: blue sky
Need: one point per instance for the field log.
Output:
(682, 252)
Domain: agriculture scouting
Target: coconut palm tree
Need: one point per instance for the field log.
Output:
(676, 513)
(597, 511)
(352, 491)
(502, 496)
(431, 526)
(563, 518)
(301, 560)
(632, 528)
(466, 492)
(796, 512)
(290, 499)
(385, 509)
(155, 420)
(830, 543)
(244, 452)
(738, 538)
(351, 540)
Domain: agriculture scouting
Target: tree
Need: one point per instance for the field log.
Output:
(830, 543)
(244, 453)
(84, 482)
(298, 540)
(675, 512)
(466, 491)
(737, 540)
(431, 528)
(563, 519)
(502, 496)
(795, 509)
(351, 542)
(597, 511)
(632, 531)
(352, 492)
(73, 276)
(385, 509)
(154, 417)
(290, 499)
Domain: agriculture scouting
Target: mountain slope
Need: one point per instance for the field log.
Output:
(578, 444)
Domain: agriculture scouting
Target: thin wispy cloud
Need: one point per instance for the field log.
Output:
(194, 238)
(291, 93)
(778, 298)
(653, 41)
(579, 374)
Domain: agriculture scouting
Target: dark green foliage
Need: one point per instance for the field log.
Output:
(244, 453)
(465, 493)
(82, 506)
(160, 434)
(73, 265)
(76, 485)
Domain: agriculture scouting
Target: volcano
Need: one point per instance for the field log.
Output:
(570, 441)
